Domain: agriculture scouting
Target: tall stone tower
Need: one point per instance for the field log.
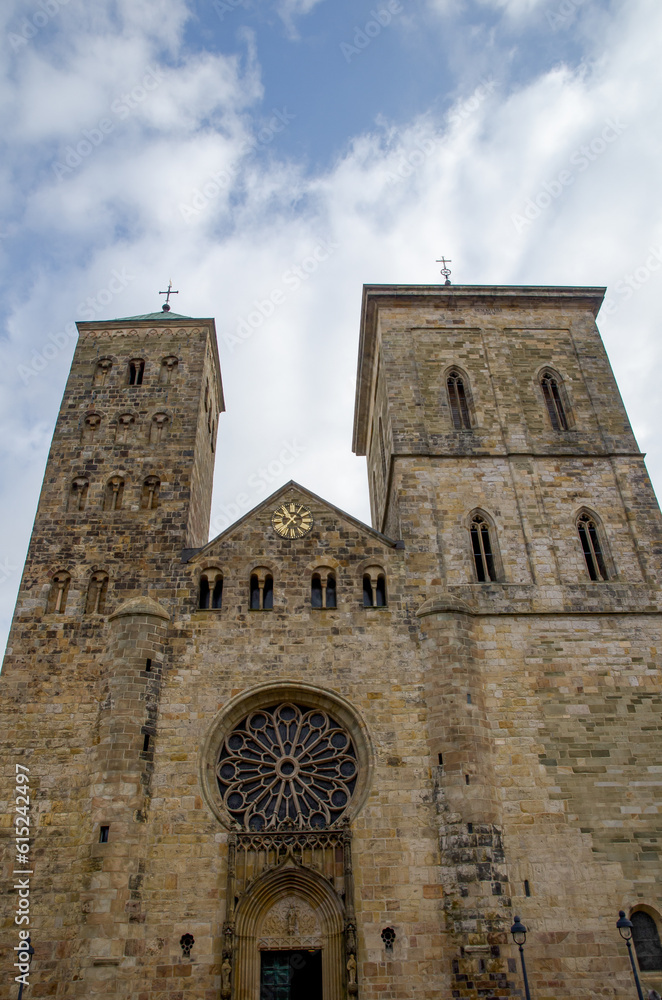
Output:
(500, 452)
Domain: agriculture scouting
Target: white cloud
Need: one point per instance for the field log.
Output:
(289, 10)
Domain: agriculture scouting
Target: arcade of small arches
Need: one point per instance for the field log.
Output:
(132, 371)
(323, 588)
(114, 494)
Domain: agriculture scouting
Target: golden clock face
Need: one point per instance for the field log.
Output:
(292, 520)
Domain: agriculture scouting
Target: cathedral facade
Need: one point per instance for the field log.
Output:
(316, 760)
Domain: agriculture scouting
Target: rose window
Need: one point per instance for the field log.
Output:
(287, 765)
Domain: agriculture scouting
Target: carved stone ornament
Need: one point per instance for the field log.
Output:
(291, 923)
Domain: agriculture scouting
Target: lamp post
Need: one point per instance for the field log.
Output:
(30, 951)
(625, 930)
(518, 931)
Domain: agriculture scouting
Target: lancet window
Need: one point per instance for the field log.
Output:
(553, 394)
(457, 400)
(482, 548)
(589, 536)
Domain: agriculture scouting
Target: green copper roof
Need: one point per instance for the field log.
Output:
(159, 315)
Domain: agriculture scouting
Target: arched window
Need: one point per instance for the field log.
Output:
(483, 549)
(552, 390)
(589, 536)
(323, 589)
(114, 493)
(168, 368)
(136, 371)
(374, 587)
(149, 497)
(57, 597)
(124, 428)
(211, 590)
(157, 431)
(261, 590)
(457, 400)
(91, 426)
(102, 370)
(646, 939)
(96, 594)
(78, 493)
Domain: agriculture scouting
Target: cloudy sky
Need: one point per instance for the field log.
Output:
(223, 143)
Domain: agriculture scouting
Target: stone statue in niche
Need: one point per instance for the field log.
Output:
(226, 973)
(292, 921)
(351, 970)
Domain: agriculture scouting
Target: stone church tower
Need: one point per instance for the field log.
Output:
(316, 760)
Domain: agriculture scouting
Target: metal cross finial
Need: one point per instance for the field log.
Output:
(445, 271)
(166, 305)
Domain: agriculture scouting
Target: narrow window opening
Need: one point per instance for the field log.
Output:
(470, 828)
(96, 594)
(588, 535)
(527, 887)
(482, 550)
(382, 448)
(102, 371)
(57, 600)
(468, 699)
(114, 494)
(203, 602)
(268, 600)
(149, 498)
(466, 779)
(217, 593)
(78, 494)
(367, 592)
(646, 939)
(146, 742)
(440, 759)
(553, 402)
(481, 965)
(255, 593)
(388, 937)
(148, 664)
(330, 591)
(136, 371)
(103, 834)
(457, 399)
(206, 397)
(455, 966)
(316, 591)
(380, 599)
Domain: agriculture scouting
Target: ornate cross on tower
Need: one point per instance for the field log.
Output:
(445, 271)
(166, 305)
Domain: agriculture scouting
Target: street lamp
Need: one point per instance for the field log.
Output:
(625, 930)
(518, 931)
(30, 951)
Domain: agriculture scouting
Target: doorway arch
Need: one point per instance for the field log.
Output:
(293, 909)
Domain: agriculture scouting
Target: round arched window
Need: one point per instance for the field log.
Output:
(287, 765)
